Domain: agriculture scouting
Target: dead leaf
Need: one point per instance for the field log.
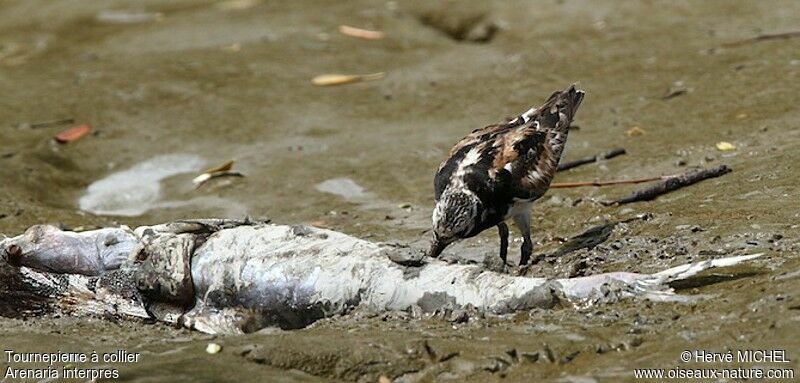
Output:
(724, 146)
(340, 79)
(634, 131)
(678, 88)
(221, 170)
(73, 134)
(360, 33)
(223, 167)
(232, 5)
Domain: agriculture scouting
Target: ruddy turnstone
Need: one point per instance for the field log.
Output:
(495, 173)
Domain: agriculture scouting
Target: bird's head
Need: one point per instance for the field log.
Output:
(455, 216)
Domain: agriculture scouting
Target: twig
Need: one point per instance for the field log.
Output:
(671, 184)
(587, 160)
(763, 37)
(47, 124)
(565, 185)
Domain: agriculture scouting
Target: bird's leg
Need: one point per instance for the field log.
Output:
(502, 228)
(523, 222)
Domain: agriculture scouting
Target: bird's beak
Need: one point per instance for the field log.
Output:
(436, 248)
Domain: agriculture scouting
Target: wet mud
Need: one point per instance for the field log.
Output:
(210, 82)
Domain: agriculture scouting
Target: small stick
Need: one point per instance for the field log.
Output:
(565, 185)
(672, 183)
(763, 37)
(47, 124)
(587, 160)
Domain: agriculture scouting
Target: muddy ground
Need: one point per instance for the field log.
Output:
(218, 82)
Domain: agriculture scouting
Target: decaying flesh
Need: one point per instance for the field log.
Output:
(221, 276)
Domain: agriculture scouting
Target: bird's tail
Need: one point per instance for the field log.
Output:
(568, 101)
(563, 101)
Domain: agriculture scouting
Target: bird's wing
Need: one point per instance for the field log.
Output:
(478, 135)
(523, 151)
(532, 150)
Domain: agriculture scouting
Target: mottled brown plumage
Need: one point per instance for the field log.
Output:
(496, 172)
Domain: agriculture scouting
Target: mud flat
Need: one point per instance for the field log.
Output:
(169, 84)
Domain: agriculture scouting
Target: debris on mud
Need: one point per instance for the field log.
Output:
(564, 185)
(724, 146)
(764, 37)
(587, 160)
(634, 131)
(361, 33)
(51, 123)
(146, 273)
(221, 170)
(73, 134)
(678, 88)
(341, 79)
(672, 184)
(474, 27)
(236, 5)
(213, 348)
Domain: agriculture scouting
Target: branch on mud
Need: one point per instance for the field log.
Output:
(587, 160)
(566, 185)
(763, 37)
(671, 184)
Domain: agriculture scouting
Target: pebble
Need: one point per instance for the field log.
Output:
(213, 348)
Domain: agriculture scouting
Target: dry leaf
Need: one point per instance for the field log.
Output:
(339, 79)
(360, 33)
(73, 134)
(634, 131)
(231, 5)
(725, 146)
(223, 167)
(221, 170)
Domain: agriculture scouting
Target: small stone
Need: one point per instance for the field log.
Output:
(213, 348)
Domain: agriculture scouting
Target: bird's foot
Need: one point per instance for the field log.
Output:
(532, 261)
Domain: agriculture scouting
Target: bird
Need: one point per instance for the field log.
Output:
(496, 173)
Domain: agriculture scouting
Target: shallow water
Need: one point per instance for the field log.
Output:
(343, 187)
(134, 191)
(223, 83)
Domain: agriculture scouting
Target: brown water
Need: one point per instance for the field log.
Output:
(218, 84)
